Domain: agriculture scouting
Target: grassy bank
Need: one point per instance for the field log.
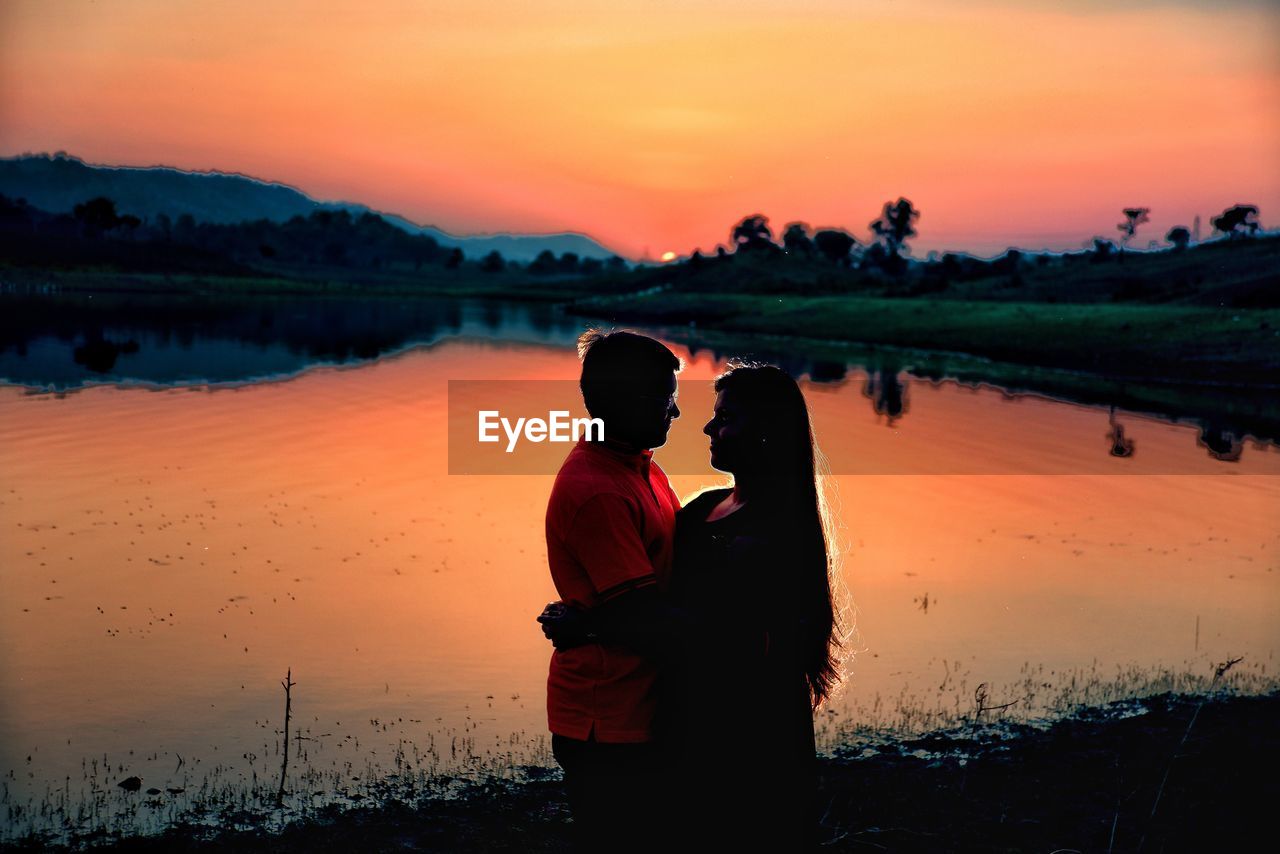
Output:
(1049, 760)
(1210, 314)
(1172, 772)
(1239, 273)
(1118, 340)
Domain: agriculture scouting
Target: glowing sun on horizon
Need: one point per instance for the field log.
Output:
(668, 256)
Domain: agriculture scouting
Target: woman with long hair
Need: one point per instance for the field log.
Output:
(749, 643)
(753, 573)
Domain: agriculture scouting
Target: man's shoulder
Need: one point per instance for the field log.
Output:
(581, 478)
(659, 471)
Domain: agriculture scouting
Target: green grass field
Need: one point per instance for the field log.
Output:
(1223, 345)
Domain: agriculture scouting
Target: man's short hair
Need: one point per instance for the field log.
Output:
(621, 361)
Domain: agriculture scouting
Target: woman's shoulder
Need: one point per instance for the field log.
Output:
(705, 500)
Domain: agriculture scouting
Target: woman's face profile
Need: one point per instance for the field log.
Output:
(731, 433)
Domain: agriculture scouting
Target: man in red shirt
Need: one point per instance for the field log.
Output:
(610, 530)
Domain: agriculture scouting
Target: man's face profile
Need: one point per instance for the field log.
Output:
(629, 382)
(642, 413)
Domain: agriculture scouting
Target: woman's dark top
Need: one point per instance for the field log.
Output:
(734, 705)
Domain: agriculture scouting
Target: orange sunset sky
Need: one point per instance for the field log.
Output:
(653, 125)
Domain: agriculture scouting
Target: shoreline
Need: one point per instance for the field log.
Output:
(1191, 345)
(1168, 772)
(1218, 367)
(1251, 407)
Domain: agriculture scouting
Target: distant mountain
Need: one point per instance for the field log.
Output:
(57, 183)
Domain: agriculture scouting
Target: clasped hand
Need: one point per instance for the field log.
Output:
(566, 626)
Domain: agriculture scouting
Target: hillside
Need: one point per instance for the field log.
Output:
(59, 182)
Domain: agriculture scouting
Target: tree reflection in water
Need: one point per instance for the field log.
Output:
(887, 392)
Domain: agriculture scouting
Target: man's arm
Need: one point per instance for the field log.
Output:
(604, 539)
(640, 619)
(643, 620)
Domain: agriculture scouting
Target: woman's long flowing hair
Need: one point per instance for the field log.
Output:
(787, 469)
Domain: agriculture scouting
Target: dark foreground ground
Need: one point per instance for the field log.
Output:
(1099, 782)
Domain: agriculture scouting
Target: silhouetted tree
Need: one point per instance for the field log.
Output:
(544, 263)
(952, 266)
(1010, 263)
(493, 263)
(1133, 217)
(592, 266)
(877, 256)
(616, 264)
(568, 263)
(455, 259)
(752, 233)
(796, 242)
(335, 253)
(1237, 220)
(128, 225)
(896, 225)
(1102, 250)
(96, 215)
(1179, 236)
(835, 245)
(16, 216)
(185, 228)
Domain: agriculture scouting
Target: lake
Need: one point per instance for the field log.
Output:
(180, 534)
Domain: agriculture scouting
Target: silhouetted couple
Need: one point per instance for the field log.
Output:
(691, 644)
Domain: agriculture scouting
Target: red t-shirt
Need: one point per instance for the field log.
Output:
(610, 527)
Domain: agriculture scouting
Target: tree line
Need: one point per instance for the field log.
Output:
(95, 231)
(329, 238)
(896, 225)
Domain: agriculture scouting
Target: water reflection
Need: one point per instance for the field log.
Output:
(99, 354)
(205, 541)
(1121, 445)
(887, 392)
(827, 371)
(1221, 442)
(59, 341)
(62, 341)
(1225, 415)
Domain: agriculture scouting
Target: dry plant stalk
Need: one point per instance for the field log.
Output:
(288, 684)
